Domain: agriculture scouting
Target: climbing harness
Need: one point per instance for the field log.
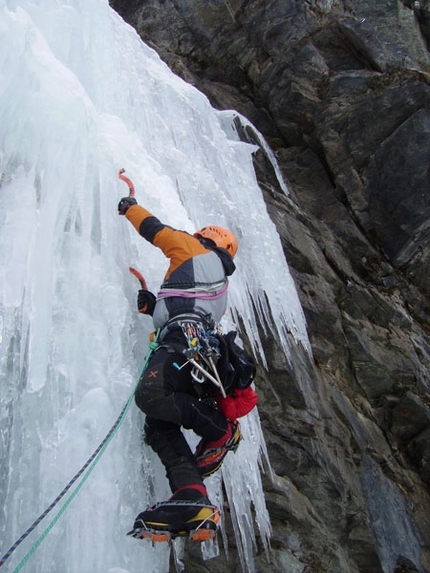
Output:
(194, 292)
(90, 464)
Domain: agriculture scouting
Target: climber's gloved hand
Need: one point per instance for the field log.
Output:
(146, 302)
(125, 204)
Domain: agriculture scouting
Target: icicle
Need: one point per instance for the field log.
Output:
(210, 549)
(178, 550)
(244, 130)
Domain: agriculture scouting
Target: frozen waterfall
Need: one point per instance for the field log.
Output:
(80, 97)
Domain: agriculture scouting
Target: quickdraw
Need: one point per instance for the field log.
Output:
(205, 346)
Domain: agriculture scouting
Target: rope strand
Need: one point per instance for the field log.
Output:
(95, 457)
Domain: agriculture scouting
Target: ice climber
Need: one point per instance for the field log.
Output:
(172, 391)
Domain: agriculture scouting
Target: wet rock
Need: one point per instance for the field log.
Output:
(410, 417)
(419, 450)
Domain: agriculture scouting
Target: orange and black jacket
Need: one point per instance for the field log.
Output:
(196, 281)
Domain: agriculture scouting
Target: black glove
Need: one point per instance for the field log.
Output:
(146, 302)
(125, 203)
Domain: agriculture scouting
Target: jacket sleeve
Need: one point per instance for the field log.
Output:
(237, 405)
(145, 223)
(178, 246)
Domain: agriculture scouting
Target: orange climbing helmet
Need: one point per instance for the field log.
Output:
(221, 237)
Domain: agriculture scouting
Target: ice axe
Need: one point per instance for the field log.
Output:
(139, 277)
(128, 181)
(131, 190)
(146, 304)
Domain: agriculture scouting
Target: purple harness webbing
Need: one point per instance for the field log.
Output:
(169, 292)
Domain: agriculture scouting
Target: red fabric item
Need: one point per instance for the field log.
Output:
(195, 486)
(240, 403)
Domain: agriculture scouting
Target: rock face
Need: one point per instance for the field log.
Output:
(341, 91)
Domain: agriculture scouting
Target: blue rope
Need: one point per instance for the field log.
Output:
(95, 457)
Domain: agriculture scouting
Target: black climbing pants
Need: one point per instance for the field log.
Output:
(167, 395)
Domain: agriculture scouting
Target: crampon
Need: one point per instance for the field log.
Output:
(201, 527)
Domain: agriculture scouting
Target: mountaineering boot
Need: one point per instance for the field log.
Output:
(210, 455)
(187, 512)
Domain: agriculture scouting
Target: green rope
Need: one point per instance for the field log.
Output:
(101, 449)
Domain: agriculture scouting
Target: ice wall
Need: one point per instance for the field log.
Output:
(80, 97)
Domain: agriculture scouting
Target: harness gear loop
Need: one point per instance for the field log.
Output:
(202, 344)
